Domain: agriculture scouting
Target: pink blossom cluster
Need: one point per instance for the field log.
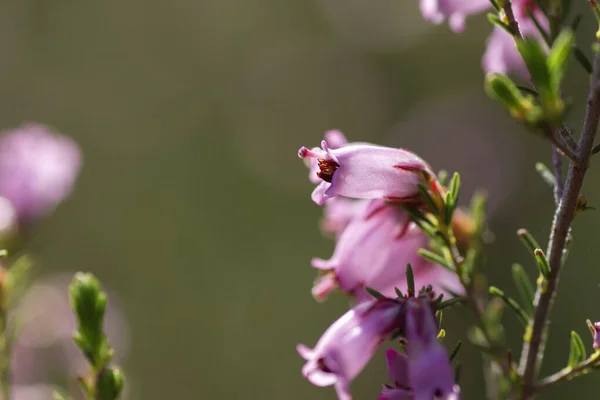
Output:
(501, 55)
(363, 188)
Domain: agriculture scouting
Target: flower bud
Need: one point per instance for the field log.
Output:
(109, 384)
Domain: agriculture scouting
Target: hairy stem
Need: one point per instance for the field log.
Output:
(532, 349)
(557, 168)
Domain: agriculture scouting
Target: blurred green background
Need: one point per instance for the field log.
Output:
(193, 207)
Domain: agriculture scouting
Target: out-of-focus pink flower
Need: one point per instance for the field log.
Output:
(397, 366)
(429, 370)
(455, 11)
(32, 392)
(37, 169)
(349, 343)
(374, 250)
(366, 171)
(501, 55)
(596, 335)
(46, 325)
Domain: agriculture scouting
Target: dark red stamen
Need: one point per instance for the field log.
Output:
(327, 168)
(321, 365)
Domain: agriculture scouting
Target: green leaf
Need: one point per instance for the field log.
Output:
(542, 262)
(457, 371)
(495, 5)
(451, 199)
(455, 350)
(582, 60)
(546, 175)
(450, 302)
(398, 292)
(539, 27)
(426, 196)
(442, 175)
(374, 293)
(501, 88)
(558, 57)
(439, 315)
(524, 286)
(495, 20)
(528, 240)
(521, 314)
(17, 279)
(577, 354)
(534, 56)
(435, 258)
(410, 280)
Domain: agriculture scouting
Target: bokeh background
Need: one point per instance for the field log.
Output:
(192, 207)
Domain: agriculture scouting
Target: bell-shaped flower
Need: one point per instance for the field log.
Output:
(366, 171)
(429, 370)
(596, 327)
(455, 11)
(501, 55)
(397, 366)
(374, 250)
(37, 170)
(349, 343)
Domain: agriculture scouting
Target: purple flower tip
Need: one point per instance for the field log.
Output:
(348, 344)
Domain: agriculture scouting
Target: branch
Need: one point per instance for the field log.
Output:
(559, 144)
(511, 20)
(566, 373)
(565, 213)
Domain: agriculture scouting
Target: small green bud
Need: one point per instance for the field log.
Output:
(89, 303)
(109, 384)
(85, 293)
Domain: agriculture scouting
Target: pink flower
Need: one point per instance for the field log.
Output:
(365, 171)
(339, 212)
(501, 55)
(349, 343)
(37, 169)
(429, 370)
(437, 11)
(596, 335)
(373, 250)
(335, 139)
(397, 366)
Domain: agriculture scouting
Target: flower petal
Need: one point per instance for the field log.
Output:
(397, 365)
